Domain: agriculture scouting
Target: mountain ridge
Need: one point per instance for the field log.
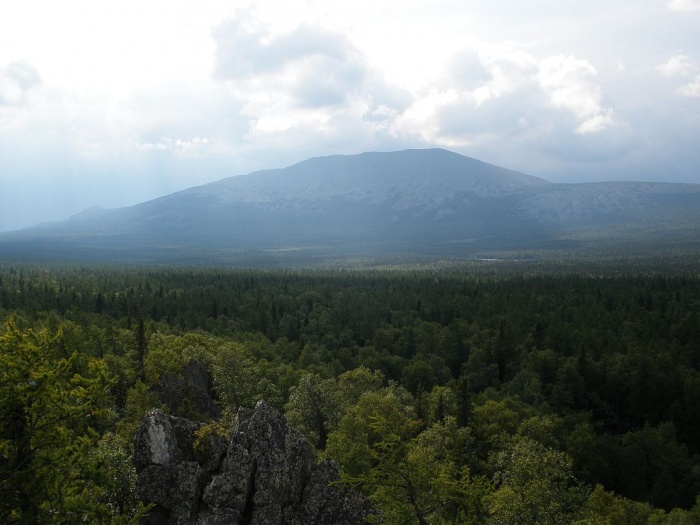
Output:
(433, 202)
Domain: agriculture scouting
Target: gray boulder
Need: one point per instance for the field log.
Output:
(266, 475)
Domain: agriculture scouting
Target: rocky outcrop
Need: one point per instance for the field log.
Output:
(194, 385)
(265, 475)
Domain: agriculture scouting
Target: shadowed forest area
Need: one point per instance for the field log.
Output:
(489, 394)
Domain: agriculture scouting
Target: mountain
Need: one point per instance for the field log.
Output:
(426, 202)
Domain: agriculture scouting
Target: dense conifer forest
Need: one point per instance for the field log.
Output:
(488, 394)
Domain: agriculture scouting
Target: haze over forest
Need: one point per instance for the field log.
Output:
(113, 104)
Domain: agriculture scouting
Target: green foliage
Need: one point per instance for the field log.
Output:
(208, 434)
(353, 383)
(411, 477)
(433, 389)
(115, 485)
(357, 433)
(605, 508)
(314, 408)
(411, 483)
(240, 380)
(139, 400)
(495, 421)
(50, 408)
(658, 467)
(536, 486)
(169, 355)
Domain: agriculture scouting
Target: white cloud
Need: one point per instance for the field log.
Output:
(681, 65)
(684, 5)
(692, 89)
(509, 71)
(16, 80)
(421, 120)
(521, 96)
(193, 147)
(596, 123)
(570, 83)
(678, 64)
(303, 85)
(314, 66)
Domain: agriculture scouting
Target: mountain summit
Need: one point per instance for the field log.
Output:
(376, 177)
(431, 202)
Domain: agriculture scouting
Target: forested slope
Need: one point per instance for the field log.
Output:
(447, 397)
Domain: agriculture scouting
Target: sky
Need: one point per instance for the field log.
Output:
(112, 103)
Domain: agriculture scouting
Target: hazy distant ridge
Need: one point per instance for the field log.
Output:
(415, 201)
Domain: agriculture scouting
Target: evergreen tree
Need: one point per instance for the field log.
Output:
(49, 412)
